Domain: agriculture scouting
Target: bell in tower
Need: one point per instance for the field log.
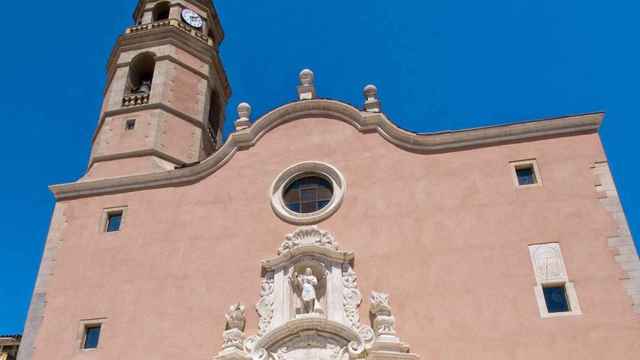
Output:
(166, 91)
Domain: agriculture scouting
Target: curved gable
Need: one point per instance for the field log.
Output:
(363, 121)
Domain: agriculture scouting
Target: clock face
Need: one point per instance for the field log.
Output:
(191, 18)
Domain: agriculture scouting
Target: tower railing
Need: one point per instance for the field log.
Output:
(171, 23)
(135, 100)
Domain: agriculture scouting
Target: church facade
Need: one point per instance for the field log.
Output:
(321, 230)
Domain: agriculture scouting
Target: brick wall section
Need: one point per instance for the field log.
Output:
(622, 243)
(46, 272)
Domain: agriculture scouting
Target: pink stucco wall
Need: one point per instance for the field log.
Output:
(446, 235)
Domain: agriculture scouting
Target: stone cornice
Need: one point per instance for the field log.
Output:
(363, 121)
(204, 5)
(307, 250)
(151, 106)
(137, 153)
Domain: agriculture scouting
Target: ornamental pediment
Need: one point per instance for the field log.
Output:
(310, 242)
(309, 308)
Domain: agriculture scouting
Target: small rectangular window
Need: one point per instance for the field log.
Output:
(526, 174)
(130, 124)
(114, 221)
(556, 299)
(555, 294)
(91, 337)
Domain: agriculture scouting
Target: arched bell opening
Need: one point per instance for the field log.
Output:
(161, 11)
(141, 71)
(215, 119)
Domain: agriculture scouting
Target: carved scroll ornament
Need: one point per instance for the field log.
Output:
(306, 236)
(352, 298)
(265, 306)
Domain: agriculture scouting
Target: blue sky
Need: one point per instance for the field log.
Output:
(438, 65)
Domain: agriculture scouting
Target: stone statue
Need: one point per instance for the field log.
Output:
(145, 88)
(308, 283)
(233, 336)
(236, 317)
(383, 320)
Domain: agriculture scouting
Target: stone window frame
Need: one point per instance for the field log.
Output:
(105, 218)
(533, 163)
(293, 173)
(561, 279)
(82, 328)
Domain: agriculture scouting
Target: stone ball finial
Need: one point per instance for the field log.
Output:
(370, 91)
(372, 102)
(244, 111)
(244, 116)
(306, 89)
(306, 77)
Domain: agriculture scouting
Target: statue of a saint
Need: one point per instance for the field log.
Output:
(308, 283)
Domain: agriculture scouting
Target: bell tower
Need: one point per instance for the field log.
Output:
(166, 91)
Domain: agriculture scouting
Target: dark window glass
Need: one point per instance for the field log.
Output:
(526, 175)
(556, 299)
(308, 194)
(131, 124)
(91, 337)
(114, 221)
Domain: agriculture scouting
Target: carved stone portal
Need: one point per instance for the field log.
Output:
(309, 308)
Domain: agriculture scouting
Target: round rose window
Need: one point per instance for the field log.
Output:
(308, 194)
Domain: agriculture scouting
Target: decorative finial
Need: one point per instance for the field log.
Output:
(372, 102)
(383, 321)
(306, 90)
(233, 335)
(244, 117)
(235, 317)
(306, 77)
